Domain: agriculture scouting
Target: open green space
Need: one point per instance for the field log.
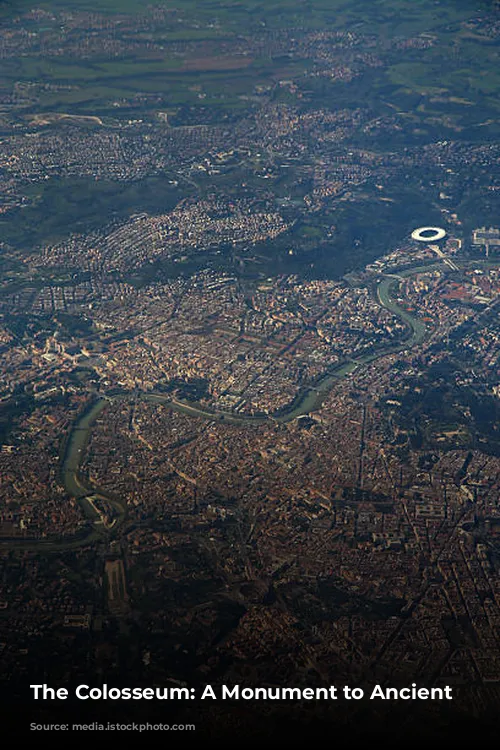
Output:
(83, 204)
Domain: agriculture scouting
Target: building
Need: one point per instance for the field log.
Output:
(486, 238)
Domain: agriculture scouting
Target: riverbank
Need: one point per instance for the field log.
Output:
(309, 400)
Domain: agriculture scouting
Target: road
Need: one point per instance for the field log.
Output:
(308, 401)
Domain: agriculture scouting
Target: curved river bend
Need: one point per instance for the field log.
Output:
(309, 400)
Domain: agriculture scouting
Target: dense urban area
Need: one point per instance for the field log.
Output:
(249, 425)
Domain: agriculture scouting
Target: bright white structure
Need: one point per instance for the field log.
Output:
(428, 234)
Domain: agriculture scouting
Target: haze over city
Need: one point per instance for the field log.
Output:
(250, 363)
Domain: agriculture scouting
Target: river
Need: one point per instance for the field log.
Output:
(308, 401)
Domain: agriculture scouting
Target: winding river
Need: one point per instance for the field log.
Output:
(308, 401)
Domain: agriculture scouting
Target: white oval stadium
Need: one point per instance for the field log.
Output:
(428, 234)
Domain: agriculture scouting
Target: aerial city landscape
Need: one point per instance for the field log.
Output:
(250, 354)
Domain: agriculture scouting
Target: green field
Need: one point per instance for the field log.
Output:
(96, 83)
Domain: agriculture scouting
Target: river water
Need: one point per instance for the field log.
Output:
(307, 402)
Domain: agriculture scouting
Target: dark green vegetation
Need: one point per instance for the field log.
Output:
(439, 413)
(11, 411)
(170, 71)
(415, 73)
(140, 142)
(81, 204)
